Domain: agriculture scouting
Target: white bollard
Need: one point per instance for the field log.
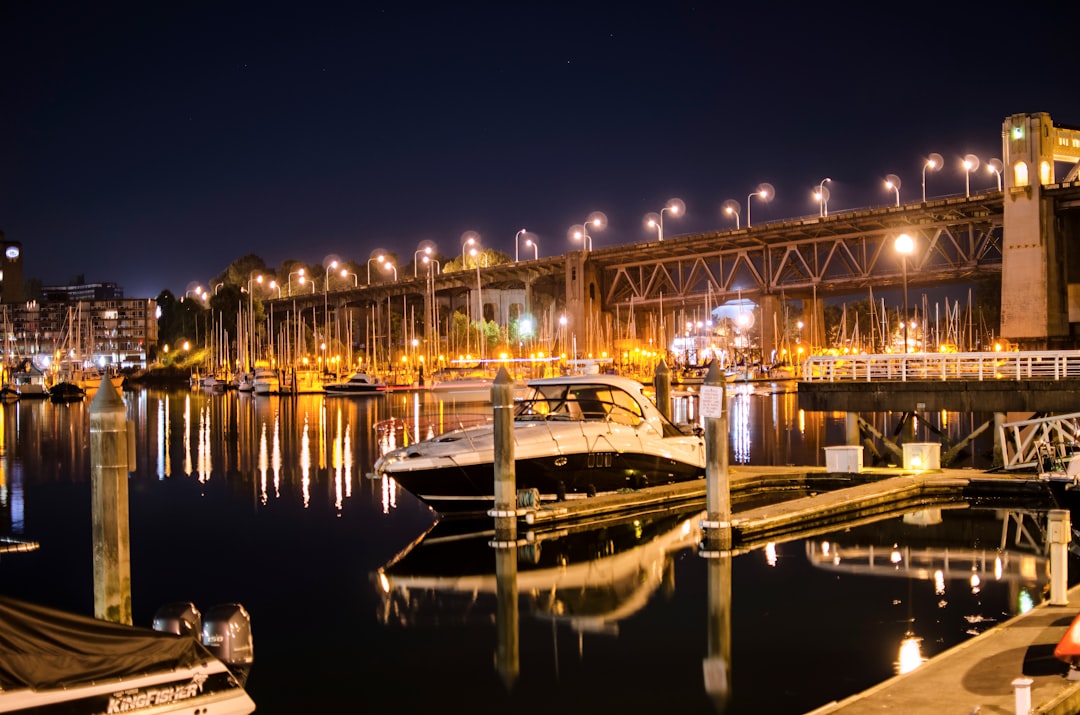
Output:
(1058, 534)
(1022, 691)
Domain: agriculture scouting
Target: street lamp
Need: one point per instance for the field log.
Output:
(731, 208)
(933, 163)
(535, 248)
(300, 272)
(892, 181)
(250, 347)
(479, 302)
(763, 192)
(517, 237)
(994, 167)
(426, 250)
(345, 273)
(652, 220)
(469, 238)
(389, 264)
(970, 164)
(822, 197)
(597, 220)
(379, 258)
(428, 260)
(905, 246)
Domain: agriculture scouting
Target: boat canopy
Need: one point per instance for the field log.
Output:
(42, 648)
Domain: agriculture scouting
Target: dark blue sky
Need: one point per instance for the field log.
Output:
(153, 143)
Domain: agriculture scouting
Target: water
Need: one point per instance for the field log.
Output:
(360, 601)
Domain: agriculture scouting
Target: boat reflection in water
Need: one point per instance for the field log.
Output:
(586, 578)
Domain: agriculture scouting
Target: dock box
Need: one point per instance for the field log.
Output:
(845, 459)
(922, 455)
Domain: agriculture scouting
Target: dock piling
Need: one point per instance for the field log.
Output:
(1059, 533)
(109, 465)
(713, 405)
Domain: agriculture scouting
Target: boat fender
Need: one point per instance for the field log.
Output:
(528, 498)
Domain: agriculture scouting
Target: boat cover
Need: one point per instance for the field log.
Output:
(42, 648)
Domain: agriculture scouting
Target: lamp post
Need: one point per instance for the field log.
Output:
(731, 208)
(378, 259)
(535, 248)
(300, 272)
(892, 181)
(426, 250)
(249, 358)
(517, 237)
(933, 163)
(326, 296)
(905, 245)
(480, 303)
(994, 167)
(389, 264)
(468, 239)
(970, 164)
(763, 192)
(822, 197)
(674, 207)
(598, 220)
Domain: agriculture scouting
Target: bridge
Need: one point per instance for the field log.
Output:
(644, 294)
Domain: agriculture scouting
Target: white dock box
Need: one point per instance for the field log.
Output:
(845, 459)
(922, 455)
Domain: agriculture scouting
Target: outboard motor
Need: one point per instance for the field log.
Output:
(181, 618)
(226, 632)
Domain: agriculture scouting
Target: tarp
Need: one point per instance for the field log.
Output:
(43, 648)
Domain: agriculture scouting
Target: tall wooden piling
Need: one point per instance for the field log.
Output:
(109, 469)
(505, 542)
(717, 482)
(662, 385)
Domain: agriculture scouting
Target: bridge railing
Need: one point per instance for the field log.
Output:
(1043, 365)
(1044, 441)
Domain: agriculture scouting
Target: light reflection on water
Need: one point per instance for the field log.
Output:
(266, 501)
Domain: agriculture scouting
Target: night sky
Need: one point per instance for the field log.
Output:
(152, 143)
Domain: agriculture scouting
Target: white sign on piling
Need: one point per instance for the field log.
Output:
(711, 401)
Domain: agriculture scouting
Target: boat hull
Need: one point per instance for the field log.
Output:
(470, 489)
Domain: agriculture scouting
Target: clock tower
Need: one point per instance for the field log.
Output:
(11, 271)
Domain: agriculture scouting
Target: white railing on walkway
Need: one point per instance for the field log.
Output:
(1044, 365)
(1029, 443)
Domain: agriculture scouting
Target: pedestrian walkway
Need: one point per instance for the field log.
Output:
(977, 675)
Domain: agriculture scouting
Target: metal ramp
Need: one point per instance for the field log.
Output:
(1040, 443)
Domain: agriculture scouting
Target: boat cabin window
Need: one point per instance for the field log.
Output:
(581, 403)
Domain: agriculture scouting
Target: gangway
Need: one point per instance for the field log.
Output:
(978, 366)
(1043, 442)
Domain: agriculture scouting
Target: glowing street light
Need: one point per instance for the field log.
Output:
(535, 248)
(905, 246)
(933, 163)
(892, 181)
(378, 258)
(479, 301)
(390, 264)
(597, 219)
(299, 272)
(970, 164)
(731, 208)
(764, 192)
(426, 250)
(822, 197)
(517, 238)
(994, 166)
(653, 220)
(469, 238)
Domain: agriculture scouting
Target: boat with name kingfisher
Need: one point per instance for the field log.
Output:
(574, 436)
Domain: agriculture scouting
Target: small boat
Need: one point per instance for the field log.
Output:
(265, 380)
(303, 381)
(64, 662)
(358, 383)
(574, 436)
(66, 392)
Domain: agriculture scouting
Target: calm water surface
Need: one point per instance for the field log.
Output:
(361, 600)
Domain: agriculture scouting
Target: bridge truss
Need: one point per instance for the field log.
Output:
(956, 239)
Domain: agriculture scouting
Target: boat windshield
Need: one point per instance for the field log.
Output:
(580, 403)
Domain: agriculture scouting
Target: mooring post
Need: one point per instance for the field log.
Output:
(502, 400)
(1022, 695)
(1059, 532)
(662, 385)
(109, 467)
(713, 407)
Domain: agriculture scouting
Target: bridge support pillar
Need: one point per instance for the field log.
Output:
(814, 323)
(853, 434)
(582, 304)
(772, 319)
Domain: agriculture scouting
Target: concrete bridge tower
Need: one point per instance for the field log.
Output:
(1040, 273)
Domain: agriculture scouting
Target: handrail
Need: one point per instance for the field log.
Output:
(1027, 443)
(980, 366)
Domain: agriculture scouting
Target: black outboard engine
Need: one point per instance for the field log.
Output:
(181, 618)
(226, 632)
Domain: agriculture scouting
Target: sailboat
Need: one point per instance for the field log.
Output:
(75, 369)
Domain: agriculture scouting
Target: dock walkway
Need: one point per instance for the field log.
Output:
(974, 677)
